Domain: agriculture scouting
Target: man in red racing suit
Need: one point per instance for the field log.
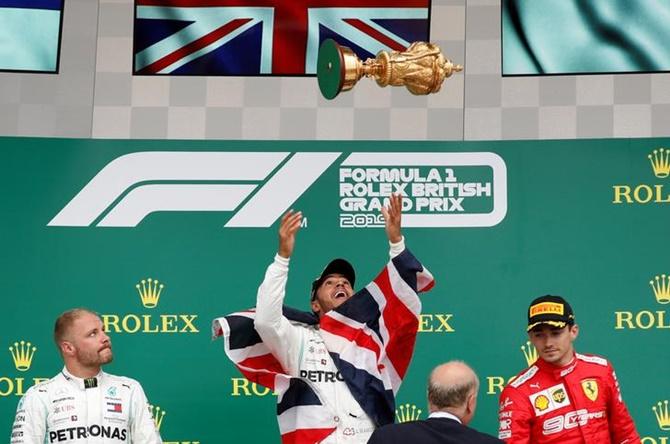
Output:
(565, 397)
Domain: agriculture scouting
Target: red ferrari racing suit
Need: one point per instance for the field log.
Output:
(576, 404)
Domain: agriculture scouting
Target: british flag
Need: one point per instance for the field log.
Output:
(370, 338)
(278, 37)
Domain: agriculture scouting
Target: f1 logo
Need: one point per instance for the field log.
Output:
(123, 188)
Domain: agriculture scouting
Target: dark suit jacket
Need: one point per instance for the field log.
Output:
(430, 431)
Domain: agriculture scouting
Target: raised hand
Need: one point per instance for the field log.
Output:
(289, 226)
(392, 217)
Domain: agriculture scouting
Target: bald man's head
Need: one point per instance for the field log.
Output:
(451, 386)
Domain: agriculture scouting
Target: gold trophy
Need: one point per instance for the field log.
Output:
(421, 68)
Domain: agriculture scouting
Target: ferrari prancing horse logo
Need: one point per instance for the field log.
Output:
(590, 388)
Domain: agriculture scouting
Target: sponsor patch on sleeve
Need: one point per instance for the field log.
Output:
(550, 399)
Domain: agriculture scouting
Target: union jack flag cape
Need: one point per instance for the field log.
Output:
(370, 338)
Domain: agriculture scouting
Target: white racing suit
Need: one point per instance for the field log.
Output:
(112, 410)
(302, 352)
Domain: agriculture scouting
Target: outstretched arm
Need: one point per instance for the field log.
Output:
(392, 218)
(278, 334)
(392, 223)
(290, 224)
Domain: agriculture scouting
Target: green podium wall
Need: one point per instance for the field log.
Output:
(497, 223)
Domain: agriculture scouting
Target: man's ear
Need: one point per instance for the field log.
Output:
(316, 307)
(67, 348)
(574, 331)
(472, 402)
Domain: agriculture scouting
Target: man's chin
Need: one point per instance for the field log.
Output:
(335, 302)
(106, 356)
(339, 302)
(551, 357)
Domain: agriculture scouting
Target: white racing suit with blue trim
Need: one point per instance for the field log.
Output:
(112, 410)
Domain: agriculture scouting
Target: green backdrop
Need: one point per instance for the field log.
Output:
(585, 219)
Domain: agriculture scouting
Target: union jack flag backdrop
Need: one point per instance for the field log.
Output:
(278, 37)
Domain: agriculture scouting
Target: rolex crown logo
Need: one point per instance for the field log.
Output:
(662, 414)
(661, 286)
(530, 353)
(660, 162)
(157, 414)
(407, 412)
(150, 291)
(22, 353)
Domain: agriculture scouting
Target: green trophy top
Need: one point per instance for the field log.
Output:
(330, 69)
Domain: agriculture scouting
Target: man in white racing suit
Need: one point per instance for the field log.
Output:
(83, 404)
(299, 348)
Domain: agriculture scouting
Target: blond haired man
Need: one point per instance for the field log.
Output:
(83, 404)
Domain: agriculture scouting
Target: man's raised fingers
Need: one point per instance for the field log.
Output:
(287, 215)
(294, 220)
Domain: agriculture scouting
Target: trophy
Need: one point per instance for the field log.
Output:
(421, 68)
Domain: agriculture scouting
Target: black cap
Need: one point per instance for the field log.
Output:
(336, 266)
(550, 310)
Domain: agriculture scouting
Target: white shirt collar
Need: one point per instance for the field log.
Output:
(445, 415)
(79, 382)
